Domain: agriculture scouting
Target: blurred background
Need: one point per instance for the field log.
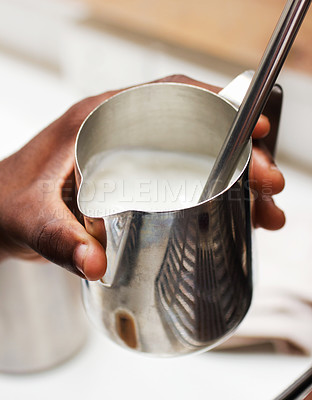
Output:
(55, 52)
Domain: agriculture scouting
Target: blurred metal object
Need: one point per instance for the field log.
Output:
(301, 389)
(42, 321)
(178, 281)
(256, 96)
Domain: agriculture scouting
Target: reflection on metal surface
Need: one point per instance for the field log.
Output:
(122, 232)
(125, 326)
(200, 288)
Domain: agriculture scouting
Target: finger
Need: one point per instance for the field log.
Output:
(268, 215)
(60, 238)
(265, 177)
(262, 128)
(189, 81)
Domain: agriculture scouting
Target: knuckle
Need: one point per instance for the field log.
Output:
(49, 242)
(75, 114)
(52, 243)
(179, 78)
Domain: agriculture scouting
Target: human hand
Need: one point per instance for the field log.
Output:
(266, 180)
(37, 206)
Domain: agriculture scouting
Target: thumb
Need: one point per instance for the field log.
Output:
(60, 238)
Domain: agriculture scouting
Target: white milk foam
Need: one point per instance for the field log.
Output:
(144, 180)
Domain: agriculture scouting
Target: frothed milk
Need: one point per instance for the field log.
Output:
(143, 180)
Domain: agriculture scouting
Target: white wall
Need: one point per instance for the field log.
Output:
(93, 59)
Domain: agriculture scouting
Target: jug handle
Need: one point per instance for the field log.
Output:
(235, 91)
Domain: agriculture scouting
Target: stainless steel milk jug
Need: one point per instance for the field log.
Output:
(178, 281)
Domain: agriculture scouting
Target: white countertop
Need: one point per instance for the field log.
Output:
(104, 371)
(30, 99)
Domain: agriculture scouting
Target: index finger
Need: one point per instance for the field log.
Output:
(262, 128)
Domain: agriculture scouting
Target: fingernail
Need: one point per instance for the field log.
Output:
(79, 256)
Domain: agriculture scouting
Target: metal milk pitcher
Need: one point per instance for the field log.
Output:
(178, 281)
(42, 321)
